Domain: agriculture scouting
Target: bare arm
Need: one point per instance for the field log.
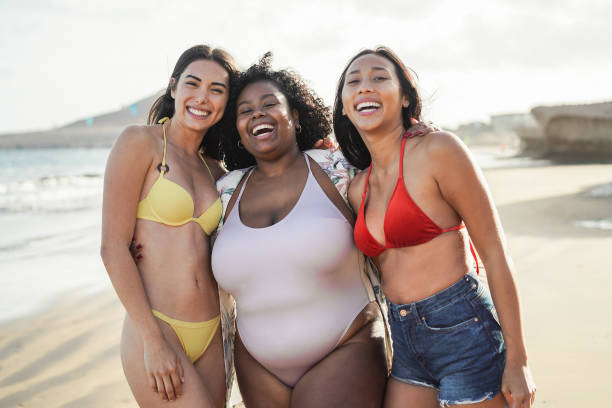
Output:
(130, 159)
(463, 186)
(124, 176)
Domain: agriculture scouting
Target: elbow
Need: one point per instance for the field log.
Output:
(108, 251)
(105, 252)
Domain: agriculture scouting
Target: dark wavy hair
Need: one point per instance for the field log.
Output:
(353, 147)
(314, 115)
(164, 105)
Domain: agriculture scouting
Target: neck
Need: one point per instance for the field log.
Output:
(383, 147)
(183, 138)
(274, 167)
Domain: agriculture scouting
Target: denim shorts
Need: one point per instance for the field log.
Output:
(450, 341)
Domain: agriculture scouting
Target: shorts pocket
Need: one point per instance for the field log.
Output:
(457, 315)
(488, 315)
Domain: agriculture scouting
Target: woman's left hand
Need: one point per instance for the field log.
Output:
(329, 143)
(518, 386)
(421, 128)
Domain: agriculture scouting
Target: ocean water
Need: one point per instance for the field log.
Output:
(50, 201)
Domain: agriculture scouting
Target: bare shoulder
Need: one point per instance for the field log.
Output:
(442, 142)
(138, 139)
(449, 157)
(216, 167)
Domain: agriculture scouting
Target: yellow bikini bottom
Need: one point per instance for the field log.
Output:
(194, 336)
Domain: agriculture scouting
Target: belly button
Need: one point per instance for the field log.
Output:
(197, 284)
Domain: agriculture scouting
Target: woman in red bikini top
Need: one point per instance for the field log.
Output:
(414, 205)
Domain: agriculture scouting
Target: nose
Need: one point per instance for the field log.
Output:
(203, 98)
(257, 113)
(364, 87)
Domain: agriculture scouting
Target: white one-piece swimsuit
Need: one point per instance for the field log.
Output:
(297, 283)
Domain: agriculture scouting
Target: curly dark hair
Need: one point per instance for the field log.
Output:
(315, 116)
(163, 106)
(353, 147)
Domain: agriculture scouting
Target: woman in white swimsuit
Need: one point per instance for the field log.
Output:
(309, 333)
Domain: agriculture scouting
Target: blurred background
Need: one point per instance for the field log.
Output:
(525, 84)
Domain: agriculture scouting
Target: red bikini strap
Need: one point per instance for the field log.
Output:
(401, 163)
(365, 188)
(475, 257)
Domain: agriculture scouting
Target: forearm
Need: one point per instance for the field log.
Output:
(128, 284)
(506, 299)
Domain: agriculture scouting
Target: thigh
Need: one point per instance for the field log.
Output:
(401, 395)
(353, 375)
(258, 386)
(498, 402)
(211, 369)
(132, 358)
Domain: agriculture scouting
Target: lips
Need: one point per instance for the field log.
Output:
(262, 130)
(198, 113)
(367, 106)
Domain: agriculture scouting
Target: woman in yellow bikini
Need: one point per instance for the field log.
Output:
(159, 187)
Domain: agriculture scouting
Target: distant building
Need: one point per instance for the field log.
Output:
(511, 121)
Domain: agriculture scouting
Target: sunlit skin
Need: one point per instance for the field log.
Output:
(443, 181)
(354, 373)
(174, 275)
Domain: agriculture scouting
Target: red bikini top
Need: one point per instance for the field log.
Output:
(405, 224)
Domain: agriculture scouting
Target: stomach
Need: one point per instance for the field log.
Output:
(413, 273)
(175, 270)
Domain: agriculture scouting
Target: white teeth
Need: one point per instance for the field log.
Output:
(198, 112)
(263, 128)
(367, 105)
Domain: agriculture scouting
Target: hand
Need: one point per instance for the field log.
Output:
(421, 128)
(136, 251)
(327, 143)
(518, 386)
(164, 370)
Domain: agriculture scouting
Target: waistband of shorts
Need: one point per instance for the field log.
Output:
(468, 283)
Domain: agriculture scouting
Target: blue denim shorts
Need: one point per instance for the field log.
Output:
(450, 341)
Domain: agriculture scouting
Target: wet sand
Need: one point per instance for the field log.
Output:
(68, 354)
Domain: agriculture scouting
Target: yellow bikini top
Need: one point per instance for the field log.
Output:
(170, 204)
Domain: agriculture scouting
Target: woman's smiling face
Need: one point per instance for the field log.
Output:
(372, 96)
(265, 120)
(201, 94)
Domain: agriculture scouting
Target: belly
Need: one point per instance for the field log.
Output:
(295, 295)
(175, 270)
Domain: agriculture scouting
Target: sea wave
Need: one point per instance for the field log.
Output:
(600, 191)
(51, 193)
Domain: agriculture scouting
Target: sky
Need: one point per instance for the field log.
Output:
(63, 60)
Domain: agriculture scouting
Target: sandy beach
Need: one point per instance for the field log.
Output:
(67, 355)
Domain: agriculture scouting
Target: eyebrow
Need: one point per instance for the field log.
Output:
(192, 76)
(262, 97)
(373, 69)
(198, 79)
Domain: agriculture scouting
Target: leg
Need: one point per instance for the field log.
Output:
(353, 375)
(211, 369)
(194, 393)
(258, 386)
(400, 395)
(498, 402)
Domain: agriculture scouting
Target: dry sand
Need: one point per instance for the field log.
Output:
(67, 355)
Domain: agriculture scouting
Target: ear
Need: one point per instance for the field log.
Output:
(343, 112)
(296, 116)
(172, 87)
(405, 101)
